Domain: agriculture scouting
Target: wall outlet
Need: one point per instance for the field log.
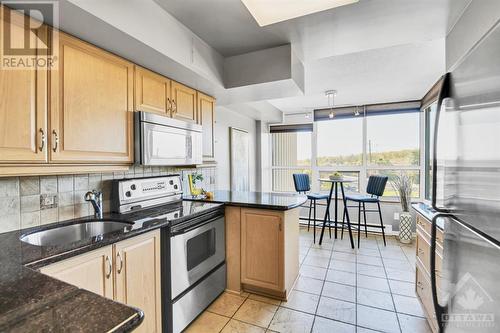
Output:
(48, 201)
(396, 216)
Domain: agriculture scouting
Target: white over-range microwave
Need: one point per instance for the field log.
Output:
(163, 141)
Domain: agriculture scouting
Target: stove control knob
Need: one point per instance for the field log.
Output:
(133, 187)
(176, 187)
(128, 194)
(171, 182)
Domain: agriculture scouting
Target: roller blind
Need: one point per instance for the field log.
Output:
(291, 128)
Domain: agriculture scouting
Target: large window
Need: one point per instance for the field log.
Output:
(340, 142)
(379, 140)
(393, 139)
(291, 153)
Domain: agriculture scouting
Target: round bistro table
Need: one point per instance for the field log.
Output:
(334, 183)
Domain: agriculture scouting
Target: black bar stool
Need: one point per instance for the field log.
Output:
(302, 185)
(374, 189)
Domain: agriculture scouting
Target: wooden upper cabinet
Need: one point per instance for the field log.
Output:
(183, 102)
(152, 92)
(262, 249)
(206, 117)
(138, 277)
(91, 271)
(91, 105)
(23, 104)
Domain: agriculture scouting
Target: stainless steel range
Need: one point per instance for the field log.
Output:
(193, 246)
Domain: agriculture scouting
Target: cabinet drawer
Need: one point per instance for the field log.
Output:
(424, 293)
(425, 226)
(423, 255)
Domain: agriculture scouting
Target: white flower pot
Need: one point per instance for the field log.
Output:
(405, 222)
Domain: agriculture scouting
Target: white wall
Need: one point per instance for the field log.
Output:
(224, 119)
(476, 20)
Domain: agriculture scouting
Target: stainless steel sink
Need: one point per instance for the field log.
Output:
(73, 233)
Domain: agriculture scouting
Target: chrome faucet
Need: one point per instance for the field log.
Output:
(95, 198)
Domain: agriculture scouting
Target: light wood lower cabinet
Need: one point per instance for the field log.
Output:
(92, 271)
(91, 105)
(423, 278)
(128, 272)
(262, 250)
(138, 280)
(23, 106)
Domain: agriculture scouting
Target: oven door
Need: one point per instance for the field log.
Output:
(195, 251)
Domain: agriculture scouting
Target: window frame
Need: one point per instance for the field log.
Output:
(364, 168)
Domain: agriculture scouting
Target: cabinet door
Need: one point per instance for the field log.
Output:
(183, 102)
(152, 92)
(206, 117)
(92, 271)
(23, 106)
(138, 278)
(91, 105)
(262, 249)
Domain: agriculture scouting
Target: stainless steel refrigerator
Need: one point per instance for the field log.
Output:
(466, 192)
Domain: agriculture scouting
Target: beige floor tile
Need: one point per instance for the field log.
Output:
(226, 304)
(323, 325)
(410, 324)
(264, 299)
(256, 313)
(235, 326)
(291, 321)
(337, 310)
(208, 322)
(301, 301)
(309, 285)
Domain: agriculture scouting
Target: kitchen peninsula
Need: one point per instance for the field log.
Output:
(262, 240)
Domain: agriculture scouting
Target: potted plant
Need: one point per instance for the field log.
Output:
(403, 185)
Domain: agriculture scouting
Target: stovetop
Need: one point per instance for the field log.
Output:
(174, 213)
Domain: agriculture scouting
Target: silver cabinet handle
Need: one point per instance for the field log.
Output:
(56, 141)
(110, 267)
(42, 141)
(119, 256)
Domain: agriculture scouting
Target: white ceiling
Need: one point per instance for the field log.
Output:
(371, 51)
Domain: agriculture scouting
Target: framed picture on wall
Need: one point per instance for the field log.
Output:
(239, 159)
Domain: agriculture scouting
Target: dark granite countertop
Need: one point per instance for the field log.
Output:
(31, 301)
(426, 211)
(263, 200)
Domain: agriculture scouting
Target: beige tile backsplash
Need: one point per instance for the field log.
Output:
(20, 196)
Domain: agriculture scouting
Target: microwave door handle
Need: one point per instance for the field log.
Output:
(443, 93)
(438, 308)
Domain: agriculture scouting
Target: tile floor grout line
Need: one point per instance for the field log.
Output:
(323, 286)
(392, 297)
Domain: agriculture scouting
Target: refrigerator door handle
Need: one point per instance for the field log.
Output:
(443, 93)
(438, 308)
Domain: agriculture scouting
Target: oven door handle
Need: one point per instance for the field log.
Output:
(177, 232)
